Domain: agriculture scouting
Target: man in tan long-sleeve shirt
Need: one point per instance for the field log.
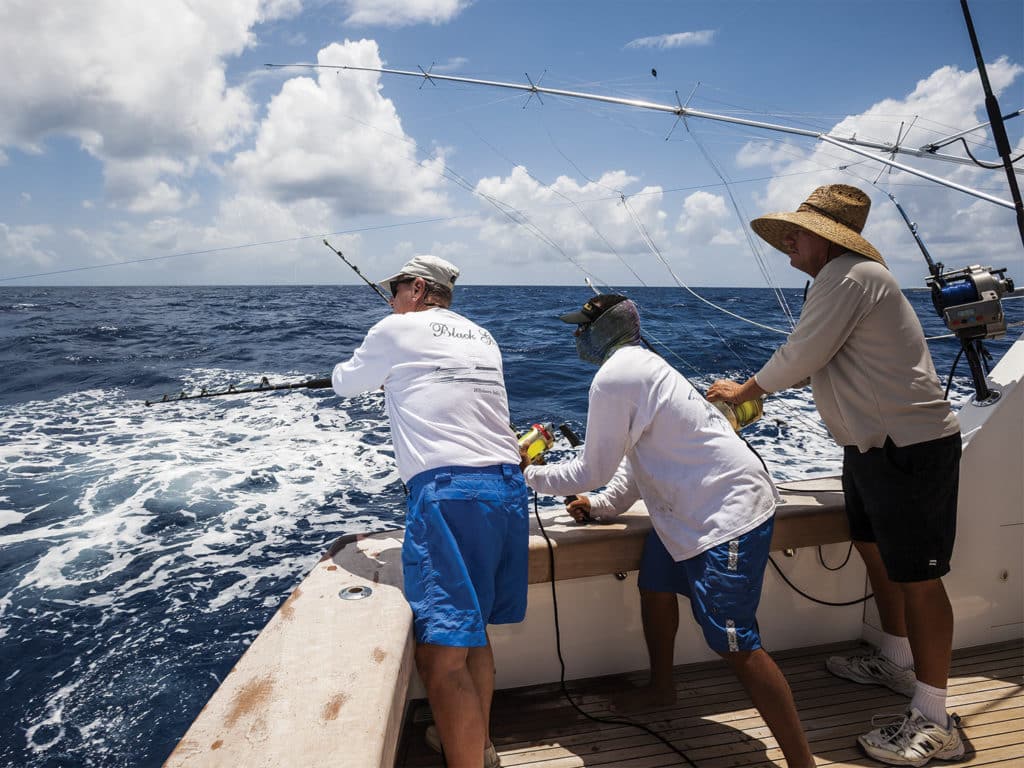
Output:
(875, 386)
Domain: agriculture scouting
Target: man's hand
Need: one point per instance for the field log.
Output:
(579, 508)
(524, 460)
(732, 392)
(723, 389)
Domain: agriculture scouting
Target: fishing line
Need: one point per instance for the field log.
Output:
(645, 236)
(554, 191)
(789, 409)
(206, 251)
(561, 660)
(652, 246)
(815, 427)
(754, 246)
(513, 214)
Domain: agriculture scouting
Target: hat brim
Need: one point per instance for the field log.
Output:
(774, 228)
(576, 318)
(386, 282)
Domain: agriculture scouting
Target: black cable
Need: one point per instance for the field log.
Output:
(821, 559)
(561, 661)
(949, 381)
(982, 163)
(814, 599)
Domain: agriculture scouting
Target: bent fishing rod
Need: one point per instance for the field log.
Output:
(851, 143)
(265, 385)
(355, 269)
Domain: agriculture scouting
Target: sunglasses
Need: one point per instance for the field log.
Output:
(393, 285)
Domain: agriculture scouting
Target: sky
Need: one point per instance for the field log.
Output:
(148, 143)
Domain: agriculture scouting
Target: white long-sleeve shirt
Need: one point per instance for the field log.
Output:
(444, 390)
(701, 484)
(863, 348)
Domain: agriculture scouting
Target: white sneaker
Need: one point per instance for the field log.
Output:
(913, 739)
(873, 669)
(433, 739)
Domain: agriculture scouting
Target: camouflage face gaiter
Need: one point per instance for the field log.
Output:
(617, 327)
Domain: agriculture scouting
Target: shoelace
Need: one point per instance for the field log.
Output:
(890, 724)
(869, 663)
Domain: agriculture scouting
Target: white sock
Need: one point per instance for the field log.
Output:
(931, 702)
(897, 650)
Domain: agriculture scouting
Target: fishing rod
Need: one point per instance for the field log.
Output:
(263, 386)
(376, 289)
(851, 143)
(969, 302)
(934, 268)
(996, 119)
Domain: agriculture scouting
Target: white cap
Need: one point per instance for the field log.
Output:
(430, 268)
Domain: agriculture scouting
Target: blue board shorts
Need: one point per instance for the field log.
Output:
(465, 554)
(723, 584)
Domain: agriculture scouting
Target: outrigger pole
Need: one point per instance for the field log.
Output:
(851, 143)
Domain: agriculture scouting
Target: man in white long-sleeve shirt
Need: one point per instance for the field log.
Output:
(651, 435)
(862, 347)
(465, 549)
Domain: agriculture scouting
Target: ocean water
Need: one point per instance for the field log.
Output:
(143, 548)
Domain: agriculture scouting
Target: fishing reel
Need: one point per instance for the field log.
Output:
(969, 301)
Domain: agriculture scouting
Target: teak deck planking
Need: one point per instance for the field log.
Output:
(715, 724)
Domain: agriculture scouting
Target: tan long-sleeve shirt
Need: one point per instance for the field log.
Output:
(863, 348)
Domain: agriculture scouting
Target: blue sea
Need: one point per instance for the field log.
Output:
(142, 548)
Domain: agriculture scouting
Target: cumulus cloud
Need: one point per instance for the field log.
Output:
(23, 249)
(675, 40)
(454, 64)
(585, 220)
(400, 13)
(337, 139)
(768, 153)
(706, 220)
(141, 86)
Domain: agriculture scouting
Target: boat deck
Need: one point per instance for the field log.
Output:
(715, 724)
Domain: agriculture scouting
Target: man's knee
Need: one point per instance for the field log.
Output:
(435, 662)
(927, 591)
(739, 660)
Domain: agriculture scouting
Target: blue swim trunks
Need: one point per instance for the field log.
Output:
(465, 553)
(723, 584)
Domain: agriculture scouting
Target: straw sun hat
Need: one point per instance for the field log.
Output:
(837, 212)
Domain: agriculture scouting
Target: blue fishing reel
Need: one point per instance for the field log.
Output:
(969, 301)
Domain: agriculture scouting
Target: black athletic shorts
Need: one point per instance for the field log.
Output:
(904, 499)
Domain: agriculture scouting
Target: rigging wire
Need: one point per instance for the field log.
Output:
(220, 249)
(550, 187)
(652, 246)
(754, 247)
(645, 236)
